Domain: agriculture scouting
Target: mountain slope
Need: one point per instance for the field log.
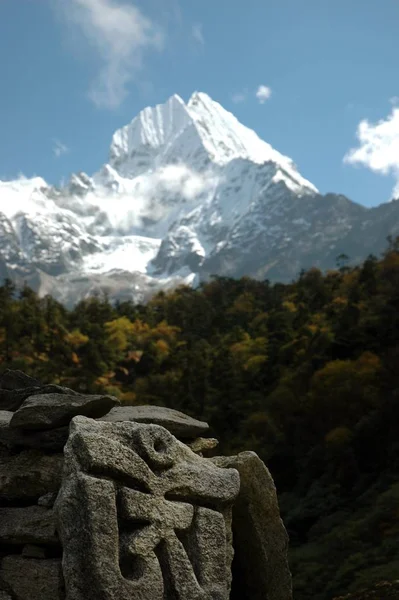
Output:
(188, 192)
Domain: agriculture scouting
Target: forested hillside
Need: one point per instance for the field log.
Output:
(306, 374)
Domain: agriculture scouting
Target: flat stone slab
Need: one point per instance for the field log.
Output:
(27, 525)
(51, 410)
(32, 579)
(179, 424)
(29, 475)
(12, 399)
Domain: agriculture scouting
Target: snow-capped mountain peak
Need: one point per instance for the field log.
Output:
(187, 190)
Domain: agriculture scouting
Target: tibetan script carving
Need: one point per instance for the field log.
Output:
(141, 517)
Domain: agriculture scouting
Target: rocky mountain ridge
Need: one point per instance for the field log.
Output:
(187, 192)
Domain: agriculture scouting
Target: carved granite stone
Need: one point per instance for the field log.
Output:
(141, 517)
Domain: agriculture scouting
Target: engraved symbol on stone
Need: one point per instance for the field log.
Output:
(155, 521)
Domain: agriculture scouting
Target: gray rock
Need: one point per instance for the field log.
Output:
(32, 551)
(15, 380)
(203, 446)
(47, 500)
(12, 399)
(27, 525)
(52, 440)
(29, 475)
(32, 579)
(4, 596)
(141, 516)
(260, 540)
(47, 411)
(181, 425)
(5, 418)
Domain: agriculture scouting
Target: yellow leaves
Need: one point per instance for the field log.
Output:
(290, 306)
(118, 332)
(75, 358)
(249, 353)
(162, 349)
(339, 301)
(76, 338)
(255, 363)
(128, 397)
(244, 304)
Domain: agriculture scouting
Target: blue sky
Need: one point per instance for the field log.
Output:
(73, 71)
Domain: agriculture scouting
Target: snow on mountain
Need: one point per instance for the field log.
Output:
(188, 191)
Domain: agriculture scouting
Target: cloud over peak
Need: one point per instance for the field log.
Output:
(120, 34)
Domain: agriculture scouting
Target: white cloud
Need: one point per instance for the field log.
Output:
(197, 32)
(156, 196)
(120, 34)
(378, 147)
(239, 97)
(263, 93)
(59, 149)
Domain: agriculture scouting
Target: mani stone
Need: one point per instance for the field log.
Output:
(29, 475)
(32, 579)
(141, 516)
(179, 424)
(260, 568)
(27, 525)
(47, 411)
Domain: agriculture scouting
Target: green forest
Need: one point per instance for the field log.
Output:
(306, 374)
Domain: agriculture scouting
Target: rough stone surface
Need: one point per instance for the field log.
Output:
(179, 424)
(260, 568)
(52, 440)
(142, 517)
(15, 380)
(203, 446)
(50, 410)
(4, 596)
(29, 475)
(13, 399)
(47, 500)
(5, 418)
(27, 525)
(32, 579)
